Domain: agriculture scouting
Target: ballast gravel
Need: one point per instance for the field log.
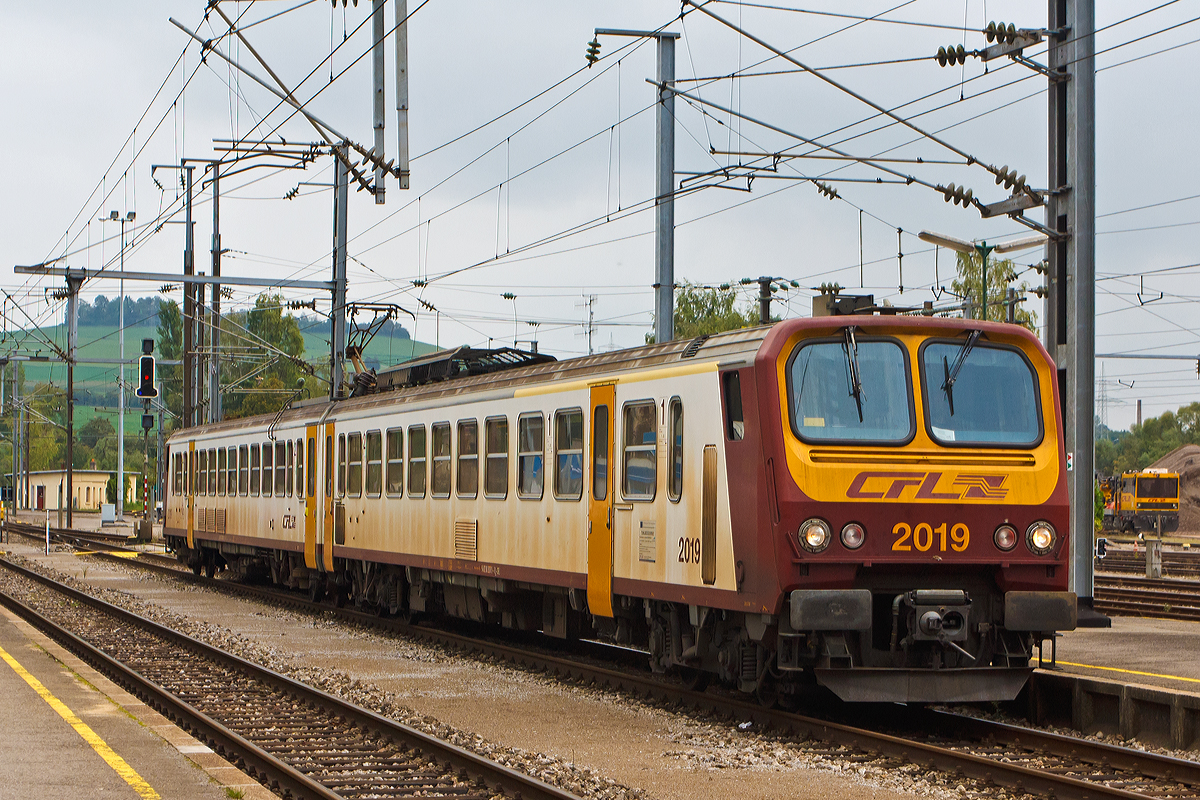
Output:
(596, 743)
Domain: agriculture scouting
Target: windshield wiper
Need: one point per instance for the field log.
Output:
(951, 373)
(851, 348)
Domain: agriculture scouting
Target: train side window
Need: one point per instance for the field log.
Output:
(374, 463)
(299, 468)
(280, 469)
(329, 466)
(495, 469)
(233, 471)
(395, 462)
(530, 456)
(600, 450)
(312, 467)
(416, 461)
(290, 477)
(568, 451)
(243, 470)
(221, 466)
(675, 431)
(255, 469)
(441, 459)
(354, 465)
(212, 472)
(202, 470)
(468, 458)
(268, 469)
(341, 483)
(735, 424)
(639, 470)
(177, 476)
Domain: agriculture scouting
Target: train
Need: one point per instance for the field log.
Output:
(1141, 501)
(872, 503)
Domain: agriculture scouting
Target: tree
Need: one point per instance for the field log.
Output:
(1000, 276)
(170, 347)
(701, 310)
(1154, 438)
(262, 390)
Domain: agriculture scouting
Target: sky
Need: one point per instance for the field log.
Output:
(530, 207)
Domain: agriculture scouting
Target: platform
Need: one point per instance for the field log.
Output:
(70, 732)
(1154, 652)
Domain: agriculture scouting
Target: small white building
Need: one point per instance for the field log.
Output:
(48, 487)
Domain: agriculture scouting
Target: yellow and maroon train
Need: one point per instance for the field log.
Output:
(876, 502)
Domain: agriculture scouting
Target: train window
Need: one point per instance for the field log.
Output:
(441, 459)
(231, 465)
(675, 430)
(178, 474)
(212, 472)
(299, 468)
(416, 461)
(221, 472)
(312, 467)
(281, 469)
(468, 458)
(600, 449)
(640, 468)
(354, 465)
(243, 470)
(374, 463)
(268, 469)
(341, 483)
(290, 477)
(530, 455)
(255, 466)
(202, 471)
(395, 462)
(735, 423)
(829, 405)
(992, 401)
(495, 470)
(329, 466)
(568, 451)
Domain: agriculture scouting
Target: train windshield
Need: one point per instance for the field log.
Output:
(990, 399)
(1158, 488)
(825, 406)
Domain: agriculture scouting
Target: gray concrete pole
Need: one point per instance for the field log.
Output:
(337, 316)
(402, 92)
(379, 79)
(664, 192)
(188, 309)
(73, 285)
(214, 360)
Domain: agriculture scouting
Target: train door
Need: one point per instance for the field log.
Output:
(327, 526)
(189, 489)
(600, 503)
(309, 457)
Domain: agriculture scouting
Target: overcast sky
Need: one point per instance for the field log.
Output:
(549, 203)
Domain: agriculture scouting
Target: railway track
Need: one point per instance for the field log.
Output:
(1162, 598)
(299, 741)
(1017, 758)
(1176, 564)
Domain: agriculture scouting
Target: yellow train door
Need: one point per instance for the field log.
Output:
(327, 527)
(310, 496)
(600, 503)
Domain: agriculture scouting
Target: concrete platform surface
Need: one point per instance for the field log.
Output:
(67, 731)
(1156, 652)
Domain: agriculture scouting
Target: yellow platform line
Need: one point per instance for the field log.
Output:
(1129, 671)
(118, 764)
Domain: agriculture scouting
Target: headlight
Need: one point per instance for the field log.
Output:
(853, 535)
(814, 535)
(1040, 538)
(1005, 537)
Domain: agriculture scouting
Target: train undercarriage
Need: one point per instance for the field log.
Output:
(882, 641)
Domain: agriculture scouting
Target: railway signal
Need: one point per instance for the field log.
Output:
(146, 388)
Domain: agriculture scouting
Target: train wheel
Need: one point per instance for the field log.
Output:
(767, 692)
(210, 567)
(197, 568)
(316, 591)
(694, 679)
